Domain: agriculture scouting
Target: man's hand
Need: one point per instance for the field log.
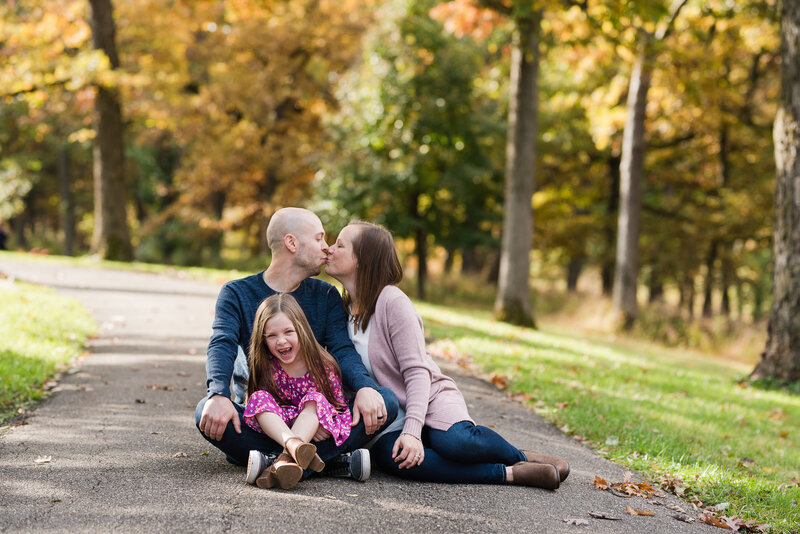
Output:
(216, 413)
(369, 405)
(408, 450)
(321, 434)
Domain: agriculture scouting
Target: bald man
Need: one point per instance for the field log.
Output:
(296, 239)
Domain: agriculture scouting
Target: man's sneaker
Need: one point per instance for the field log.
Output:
(354, 465)
(256, 464)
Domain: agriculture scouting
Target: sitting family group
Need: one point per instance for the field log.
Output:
(328, 383)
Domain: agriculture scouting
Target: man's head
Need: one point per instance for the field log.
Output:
(297, 234)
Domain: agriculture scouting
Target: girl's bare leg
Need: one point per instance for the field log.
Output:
(273, 426)
(307, 423)
(304, 427)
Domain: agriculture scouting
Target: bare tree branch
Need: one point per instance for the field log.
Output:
(675, 10)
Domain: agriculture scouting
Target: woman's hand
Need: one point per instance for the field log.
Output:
(409, 451)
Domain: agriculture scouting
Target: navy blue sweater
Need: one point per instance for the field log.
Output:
(233, 325)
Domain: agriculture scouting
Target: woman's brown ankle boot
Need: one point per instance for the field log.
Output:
(535, 475)
(538, 458)
(302, 452)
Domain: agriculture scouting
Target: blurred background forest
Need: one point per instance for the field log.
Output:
(397, 111)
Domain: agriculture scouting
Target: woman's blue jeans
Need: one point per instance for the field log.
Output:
(464, 453)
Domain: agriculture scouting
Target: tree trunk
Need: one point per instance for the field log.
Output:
(111, 239)
(609, 231)
(656, 286)
(726, 270)
(781, 357)
(66, 204)
(574, 268)
(420, 243)
(449, 260)
(709, 279)
(422, 259)
(630, 193)
(469, 261)
(513, 293)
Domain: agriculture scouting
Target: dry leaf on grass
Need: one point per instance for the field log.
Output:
(499, 381)
(673, 484)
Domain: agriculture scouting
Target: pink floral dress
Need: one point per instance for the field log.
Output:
(299, 391)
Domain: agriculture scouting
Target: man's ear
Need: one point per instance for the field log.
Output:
(290, 242)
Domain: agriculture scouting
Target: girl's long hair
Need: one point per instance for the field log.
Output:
(377, 266)
(263, 363)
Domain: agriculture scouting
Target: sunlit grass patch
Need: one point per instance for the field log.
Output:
(40, 332)
(662, 412)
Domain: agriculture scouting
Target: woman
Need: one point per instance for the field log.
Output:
(434, 439)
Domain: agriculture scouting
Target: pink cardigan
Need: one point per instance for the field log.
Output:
(400, 362)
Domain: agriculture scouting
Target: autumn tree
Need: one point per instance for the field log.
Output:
(111, 239)
(781, 357)
(416, 138)
(513, 302)
(626, 272)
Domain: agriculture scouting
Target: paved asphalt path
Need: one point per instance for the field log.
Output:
(127, 457)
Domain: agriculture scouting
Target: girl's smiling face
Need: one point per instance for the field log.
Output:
(281, 338)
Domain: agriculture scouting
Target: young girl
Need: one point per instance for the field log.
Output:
(435, 440)
(293, 381)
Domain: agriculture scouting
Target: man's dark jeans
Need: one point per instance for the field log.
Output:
(237, 446)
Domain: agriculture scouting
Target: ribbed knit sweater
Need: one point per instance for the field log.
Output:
(401, 362)
(233, 325)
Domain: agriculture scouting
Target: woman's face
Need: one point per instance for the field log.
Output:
(341, 259)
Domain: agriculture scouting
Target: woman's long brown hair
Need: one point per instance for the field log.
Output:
(262, 362)
(377, 266)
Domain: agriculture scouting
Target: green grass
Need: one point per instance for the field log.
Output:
(40, 333)
(661, 412)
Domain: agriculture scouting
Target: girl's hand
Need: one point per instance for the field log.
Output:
(408, 450)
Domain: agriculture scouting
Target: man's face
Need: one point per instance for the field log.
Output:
(312, 249)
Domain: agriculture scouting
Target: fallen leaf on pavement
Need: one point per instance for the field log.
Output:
(42, 459)
(577, 522)
(684, 518)
(625, 489)
(140, 401)
(180, 455)
(634, 511)
(599, 515)
(710, 519)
